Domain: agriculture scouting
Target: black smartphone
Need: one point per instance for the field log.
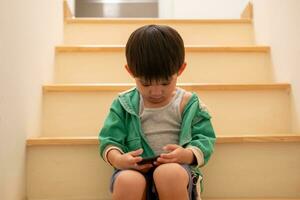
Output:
(149, 160)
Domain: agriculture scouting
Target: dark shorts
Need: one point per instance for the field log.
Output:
(150, 188)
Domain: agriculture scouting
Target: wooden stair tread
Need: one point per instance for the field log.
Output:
(46, 141)
(188, 48)
(188, 86)
(154, 20)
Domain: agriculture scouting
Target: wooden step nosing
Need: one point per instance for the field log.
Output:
(187, 86)
(155, 21)
(53, 141)
(259, 139)
(48, 141)
(188, 48)
(247, 13)
(67, 11)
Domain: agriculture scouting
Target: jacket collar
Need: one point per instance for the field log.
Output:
(130, 100)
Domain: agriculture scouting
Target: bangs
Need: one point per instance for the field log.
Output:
(155, 63)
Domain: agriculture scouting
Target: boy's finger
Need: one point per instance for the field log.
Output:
(137, 159)
(171, 147)
(134, 160)
(136, 152)
(164, 160)
(167, 155)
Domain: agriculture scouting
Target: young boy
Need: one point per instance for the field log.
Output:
(156, 118)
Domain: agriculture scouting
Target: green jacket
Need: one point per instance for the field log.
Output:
(122, 127)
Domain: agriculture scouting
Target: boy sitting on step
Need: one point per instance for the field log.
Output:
(156, 119)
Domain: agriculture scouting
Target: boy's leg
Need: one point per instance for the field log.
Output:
(129, 184)
(171, 181)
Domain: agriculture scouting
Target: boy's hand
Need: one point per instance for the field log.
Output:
(128, 160)
(177, 154)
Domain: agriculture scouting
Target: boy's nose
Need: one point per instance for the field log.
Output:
(156, 90)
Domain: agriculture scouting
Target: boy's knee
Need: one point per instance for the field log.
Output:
(130, 179)
(171, 173)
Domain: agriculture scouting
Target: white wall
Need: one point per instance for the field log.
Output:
(204, 9)
(277, 23)
(29, 30)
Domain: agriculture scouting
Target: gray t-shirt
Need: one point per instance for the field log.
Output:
(162, 125)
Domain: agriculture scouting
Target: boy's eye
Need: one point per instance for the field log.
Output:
(145, 85)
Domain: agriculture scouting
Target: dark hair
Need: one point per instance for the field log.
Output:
(154, 52)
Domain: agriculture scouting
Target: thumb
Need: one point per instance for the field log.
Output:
(136, 152)
(171, 147)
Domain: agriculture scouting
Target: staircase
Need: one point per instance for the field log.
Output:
(256, 155)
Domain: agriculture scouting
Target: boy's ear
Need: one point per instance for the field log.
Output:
(128, 70)
(181, 69)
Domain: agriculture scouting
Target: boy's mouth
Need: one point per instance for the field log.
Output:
(156, 99)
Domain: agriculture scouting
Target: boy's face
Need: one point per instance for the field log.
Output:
(157, 93)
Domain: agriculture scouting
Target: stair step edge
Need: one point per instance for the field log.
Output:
(154, 21)
(93, 140)
(187, 86)
(188, 48)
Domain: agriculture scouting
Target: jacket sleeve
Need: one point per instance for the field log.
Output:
(203, 135)
(113, 132)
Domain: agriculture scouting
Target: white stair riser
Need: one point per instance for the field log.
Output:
(196, 34)
(66, 172)
(204, 67)
(233, 112)
(235, 171)
(254, 170)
